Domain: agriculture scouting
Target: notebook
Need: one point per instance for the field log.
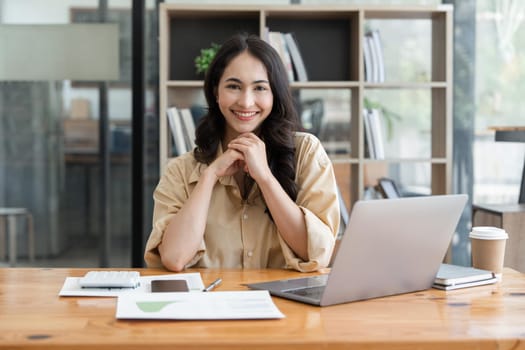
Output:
(390, 246)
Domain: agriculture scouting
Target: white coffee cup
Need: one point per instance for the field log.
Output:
(488, 248)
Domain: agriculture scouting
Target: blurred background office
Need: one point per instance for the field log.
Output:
(78, 152)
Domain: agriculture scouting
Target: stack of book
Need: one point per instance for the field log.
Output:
(286, 46)
(182, 129)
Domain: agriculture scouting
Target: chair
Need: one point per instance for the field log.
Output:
(10, 215)
(509, 216)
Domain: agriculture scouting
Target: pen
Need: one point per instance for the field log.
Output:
(212, 285)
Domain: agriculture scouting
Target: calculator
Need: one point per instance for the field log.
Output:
(110, 279)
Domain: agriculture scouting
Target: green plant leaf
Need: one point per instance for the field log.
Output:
(202, 62)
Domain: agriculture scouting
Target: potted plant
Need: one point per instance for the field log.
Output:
(202, 62)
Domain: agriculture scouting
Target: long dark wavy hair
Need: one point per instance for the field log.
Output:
(277, 130)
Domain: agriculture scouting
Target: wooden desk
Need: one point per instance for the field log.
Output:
(487, 317)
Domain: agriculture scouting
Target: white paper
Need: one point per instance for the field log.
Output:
(197, 306)
(72, 288)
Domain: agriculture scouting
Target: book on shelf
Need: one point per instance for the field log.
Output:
(369, 142)
(374, 138)
(177, 130)
(368, 59)
(451, 277)
(377, 47)
(297, 59)
(376, 123)
(277, 41)
(182, 129)
(189, 127)
(373, 57)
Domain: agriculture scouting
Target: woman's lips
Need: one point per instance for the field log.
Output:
(245, 115)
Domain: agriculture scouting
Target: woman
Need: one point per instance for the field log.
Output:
(254, 193)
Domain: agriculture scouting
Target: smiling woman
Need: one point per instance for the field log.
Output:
(255, 192)
(244, 96)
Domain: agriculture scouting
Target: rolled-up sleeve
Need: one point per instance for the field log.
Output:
(169, 196)
(317, 198)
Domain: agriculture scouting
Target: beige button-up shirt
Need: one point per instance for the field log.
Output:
(239, 234)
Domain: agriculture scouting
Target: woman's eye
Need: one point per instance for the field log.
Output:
(261, 88)
(233, 86)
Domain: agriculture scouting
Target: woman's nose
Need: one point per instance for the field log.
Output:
(246, 99)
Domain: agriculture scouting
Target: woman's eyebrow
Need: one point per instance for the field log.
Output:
(236, 80)
(261, 81)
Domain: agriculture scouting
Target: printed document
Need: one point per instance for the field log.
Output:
(197, 306)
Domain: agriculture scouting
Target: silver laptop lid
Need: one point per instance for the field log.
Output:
(392, 246)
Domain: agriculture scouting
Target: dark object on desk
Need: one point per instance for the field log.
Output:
(407, 260)
(388, 188)
(451, 277)
(166, 286)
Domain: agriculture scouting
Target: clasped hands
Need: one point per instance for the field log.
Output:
(246, 152)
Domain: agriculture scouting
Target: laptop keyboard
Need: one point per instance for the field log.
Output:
(310, 292)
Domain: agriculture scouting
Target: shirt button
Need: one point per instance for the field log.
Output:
(250, 253)
(245, 216)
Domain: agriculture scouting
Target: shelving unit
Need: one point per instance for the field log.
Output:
(331, 43)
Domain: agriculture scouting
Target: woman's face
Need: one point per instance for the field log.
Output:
(244, 95)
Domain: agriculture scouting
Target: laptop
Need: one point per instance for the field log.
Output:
(390, 246)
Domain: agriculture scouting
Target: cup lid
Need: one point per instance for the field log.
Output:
(488, 232)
